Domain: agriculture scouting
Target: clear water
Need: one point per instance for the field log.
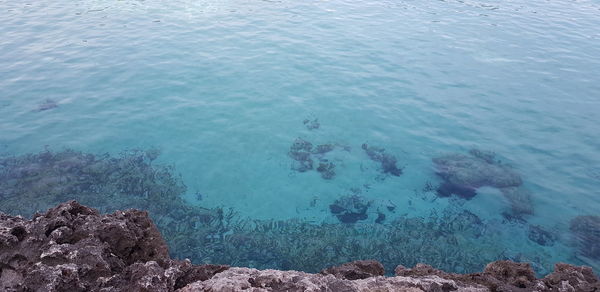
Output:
(223, 88)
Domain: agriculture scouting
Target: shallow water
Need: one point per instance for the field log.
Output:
(222, 88)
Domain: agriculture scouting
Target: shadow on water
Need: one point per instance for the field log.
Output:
(454, 240)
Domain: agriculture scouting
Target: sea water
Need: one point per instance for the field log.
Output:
(224, 88)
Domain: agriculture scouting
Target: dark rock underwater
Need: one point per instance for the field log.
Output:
(74, 248)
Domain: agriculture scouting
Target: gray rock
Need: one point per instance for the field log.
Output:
(356, 270)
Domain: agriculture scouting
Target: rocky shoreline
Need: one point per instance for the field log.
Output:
(75, 248)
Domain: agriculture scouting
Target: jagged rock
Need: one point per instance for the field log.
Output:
(245, 279)
(568, 278)
(508, 276)
(73, 248)
(356, 270)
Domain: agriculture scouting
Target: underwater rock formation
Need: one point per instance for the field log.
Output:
(311, 125)
(350, 209)
(587, 233)
(464, 174)
(387, 161)
(474, 171)
(323, 148)
(74, 248)
(448, 189)
(540, 235)
(302, 153)
(326, 169)
(48, 104)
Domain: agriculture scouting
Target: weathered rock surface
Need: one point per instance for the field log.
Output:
(74, 248)
(356, 270)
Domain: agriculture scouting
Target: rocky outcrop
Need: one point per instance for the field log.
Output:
(74, 248)
(356, 270)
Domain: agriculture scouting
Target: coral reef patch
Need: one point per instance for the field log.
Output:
(463, 174)
(350, 208)
(300, 152)
(304, 154)
(72, 247)
(311, 124)
(386, 160)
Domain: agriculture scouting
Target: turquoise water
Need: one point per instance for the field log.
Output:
(222, 88)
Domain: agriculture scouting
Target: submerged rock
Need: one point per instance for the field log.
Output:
(540, 235)
(464, 174)
(350, 209)
(474, 172)
(48, 104)
(380, 218)
(519, 200)
(587, 233)
(304, 155)
(300, 152)
(326, 169)
(323, 148)
(387, 161)
(447, 189)
(311, 125)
